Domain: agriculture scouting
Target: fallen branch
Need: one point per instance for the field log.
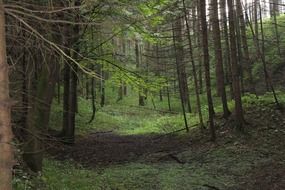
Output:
(172, 132)
(176, 159)
(172, 156)
(210, 187)
(100, 132)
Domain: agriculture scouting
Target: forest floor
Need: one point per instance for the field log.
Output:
(255, 160)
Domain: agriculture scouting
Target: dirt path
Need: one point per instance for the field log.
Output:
(253, 161)
(107, 148)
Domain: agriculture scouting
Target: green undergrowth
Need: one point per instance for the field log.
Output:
(123, 119)
(133, 120)
(273, 59)
(223, 165)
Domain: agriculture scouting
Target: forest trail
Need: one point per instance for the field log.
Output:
(107, 148)
(252, 161)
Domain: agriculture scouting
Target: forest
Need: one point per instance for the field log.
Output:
(142, 94)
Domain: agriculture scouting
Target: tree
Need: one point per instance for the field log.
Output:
(138, 65)
(274, 13)
(203, 21)
(6, 156)
(226, 47)
(180, 62)
(219, 57)
(71, 69)
(178, 49)
(235, 71)
(193, 65)
(247, 68)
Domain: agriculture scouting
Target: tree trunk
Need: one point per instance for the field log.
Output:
(207, 67)
(247, 66)
(70, 84)
(6, 150)
(193, 67)
(102, 87)
(38, 115)
(227, 53)
(275, 14)
(199, 45)
(138, 65)
(219, 57)
(66, 95)
(69, 136)
(235, 73)
(178, 49)
(180, 64)
(93, 98)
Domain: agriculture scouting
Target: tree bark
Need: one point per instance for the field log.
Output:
(219, 58)
(207, 67)
(247, 66)
(199, 45)
(178, 56)
(235, 73)
(138, 65)
(6, 150)
(193, 67)
(227, 53)
(180, 64)
(38, 115)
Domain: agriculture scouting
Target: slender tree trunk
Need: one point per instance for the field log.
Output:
(193, 67)
(178, 49)
(239, 51)
(180, 64)
(102, 87)
(6, 150)
(219, 57)
(262, 50)
(120, 91)
(93, 98)
(138, 65)
(256, 25)
(207, 67)
(235, 73)
(58, 89)
(247, 66)
(199, 45)
(275, 14)
(66, 81)
(69, 136)
(227, 54)
(87, 88)
(25, 98)
(66, 105)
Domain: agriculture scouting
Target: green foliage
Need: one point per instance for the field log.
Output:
(273, 60)
(264, 100)
(25, 181)
(222, 165)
